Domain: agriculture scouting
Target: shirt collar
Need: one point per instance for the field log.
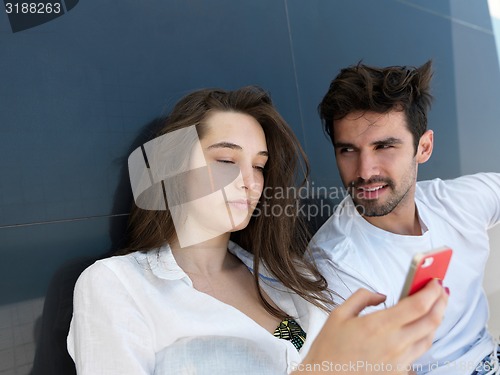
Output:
(247, 260)
(164, 266)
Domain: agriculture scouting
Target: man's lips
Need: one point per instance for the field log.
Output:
(370, 191)
(371, 188)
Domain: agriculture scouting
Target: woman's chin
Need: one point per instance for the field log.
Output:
(241, 224)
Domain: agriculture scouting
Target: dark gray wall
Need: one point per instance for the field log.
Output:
(329, 35)
(76, 92)
(477, 81)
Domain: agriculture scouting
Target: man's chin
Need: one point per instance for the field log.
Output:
(375, 214)
(371, 210)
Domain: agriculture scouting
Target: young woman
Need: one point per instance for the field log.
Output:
(214, 279)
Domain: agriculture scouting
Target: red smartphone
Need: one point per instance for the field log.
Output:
(425, 267)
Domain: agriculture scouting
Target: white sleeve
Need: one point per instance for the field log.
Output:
(473, 200)
(108, 334)
(490, 197)
(344, 282)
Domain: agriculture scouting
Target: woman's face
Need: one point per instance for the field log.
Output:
(234, 150)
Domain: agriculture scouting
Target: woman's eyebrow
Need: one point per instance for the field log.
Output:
(230, 145)
(233, 146)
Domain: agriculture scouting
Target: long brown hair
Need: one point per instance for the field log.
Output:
(277, 241)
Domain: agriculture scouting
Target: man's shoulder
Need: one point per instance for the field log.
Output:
(444, 188)
(333, 235)
(467, 199)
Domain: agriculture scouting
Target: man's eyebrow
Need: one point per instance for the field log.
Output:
(343, 145)
(388, 141)
(233, 146)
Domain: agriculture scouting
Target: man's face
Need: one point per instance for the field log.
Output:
(376, 159)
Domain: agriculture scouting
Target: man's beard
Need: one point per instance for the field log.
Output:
(372, 207)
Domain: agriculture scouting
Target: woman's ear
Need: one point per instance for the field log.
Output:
(425, 146)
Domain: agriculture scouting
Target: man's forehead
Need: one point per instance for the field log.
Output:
(364, 123)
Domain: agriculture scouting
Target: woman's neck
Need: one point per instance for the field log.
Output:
(206, 258)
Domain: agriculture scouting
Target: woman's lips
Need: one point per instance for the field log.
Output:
(242, 204)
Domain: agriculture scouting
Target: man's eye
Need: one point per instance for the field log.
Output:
(384, 147)
(345, 150)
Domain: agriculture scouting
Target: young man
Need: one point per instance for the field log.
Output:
(377, 121)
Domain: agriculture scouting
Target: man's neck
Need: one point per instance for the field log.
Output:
(402, 220)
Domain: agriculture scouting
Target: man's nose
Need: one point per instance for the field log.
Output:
(367, 166)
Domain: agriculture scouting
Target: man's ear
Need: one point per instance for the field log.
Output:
(425, 146)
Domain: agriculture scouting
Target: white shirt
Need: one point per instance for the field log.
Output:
(139, 314)
(351, 253)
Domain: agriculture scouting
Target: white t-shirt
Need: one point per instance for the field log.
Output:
(139, 314)
(351, 253)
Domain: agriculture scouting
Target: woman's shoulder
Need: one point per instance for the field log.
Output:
(107, 269)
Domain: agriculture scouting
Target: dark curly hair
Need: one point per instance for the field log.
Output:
(366, 88)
